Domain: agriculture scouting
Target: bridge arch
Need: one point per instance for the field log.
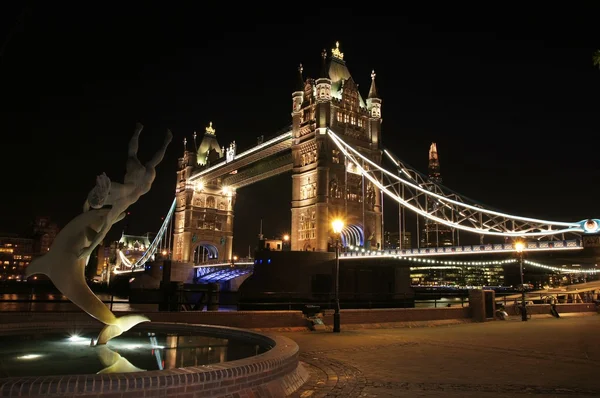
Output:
(352, 235)
(204, 251)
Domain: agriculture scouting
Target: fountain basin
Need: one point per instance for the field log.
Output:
(273, 369)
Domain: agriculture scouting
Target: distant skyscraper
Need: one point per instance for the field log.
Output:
(434, 164)
(435, 234)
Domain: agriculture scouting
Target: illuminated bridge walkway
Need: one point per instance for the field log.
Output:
(410, 189)
(535, 246)
(221, 272)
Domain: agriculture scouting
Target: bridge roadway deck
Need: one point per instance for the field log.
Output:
(537, 246)
(545, 357)
(274, 146)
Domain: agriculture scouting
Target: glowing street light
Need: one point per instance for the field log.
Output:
(519, 247)
(338, 226)
(286, 243)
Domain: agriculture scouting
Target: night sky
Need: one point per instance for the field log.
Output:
(510, 96)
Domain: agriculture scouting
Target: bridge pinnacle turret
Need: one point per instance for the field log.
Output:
(323, 83)
(335, 52)
(210, 130)
(209, 149)
(373, 90)
(300, 83)
(373, 100)
(298, 94)
(324, 73)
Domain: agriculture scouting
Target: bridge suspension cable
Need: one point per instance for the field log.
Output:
(151, 250)
(444, 206)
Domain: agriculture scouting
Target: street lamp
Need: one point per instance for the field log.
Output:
(337, 225)
(519, 247)
(286, 241)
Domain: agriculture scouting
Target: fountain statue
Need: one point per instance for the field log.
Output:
(137, 181)
(65, 262)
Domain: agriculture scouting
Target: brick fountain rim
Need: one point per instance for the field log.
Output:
(276, 372)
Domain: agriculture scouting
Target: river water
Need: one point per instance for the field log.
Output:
(56, 302)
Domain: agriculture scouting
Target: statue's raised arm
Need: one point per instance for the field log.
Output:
(137, 181)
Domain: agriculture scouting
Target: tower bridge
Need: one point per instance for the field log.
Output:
(333, 151)
(323, 184)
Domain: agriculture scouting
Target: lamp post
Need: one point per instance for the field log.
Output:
(519, 246)
(337, 225)
(286, 241)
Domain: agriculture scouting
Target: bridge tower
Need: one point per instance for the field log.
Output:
(203, 228)
(324, 184)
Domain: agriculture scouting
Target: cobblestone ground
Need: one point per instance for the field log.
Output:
(543, 357)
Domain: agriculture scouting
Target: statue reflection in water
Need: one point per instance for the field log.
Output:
(114, 362)
(178, 351)
(173, 351)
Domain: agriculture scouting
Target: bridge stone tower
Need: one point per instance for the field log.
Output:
(203, 228)
(324, 184)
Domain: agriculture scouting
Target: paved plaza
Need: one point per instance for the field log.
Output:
(543, 357)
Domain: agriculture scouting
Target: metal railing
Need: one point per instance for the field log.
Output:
(193, 300)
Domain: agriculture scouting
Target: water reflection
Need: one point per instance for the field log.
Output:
(49, 302)
(114, 362)
(44, 354)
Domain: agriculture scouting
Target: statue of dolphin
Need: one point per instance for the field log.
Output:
(64, 268)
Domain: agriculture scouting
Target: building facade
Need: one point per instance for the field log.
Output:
(203, 225)
(458, 276)
(44, 232)
(392, 240)
(15, 255)
(324, 185)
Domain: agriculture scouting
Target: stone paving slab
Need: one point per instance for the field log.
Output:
(544, 357)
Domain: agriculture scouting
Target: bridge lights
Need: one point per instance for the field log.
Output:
(227, 191)
(519, 247)
(338, 226)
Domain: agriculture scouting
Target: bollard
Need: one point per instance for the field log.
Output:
(213, 297)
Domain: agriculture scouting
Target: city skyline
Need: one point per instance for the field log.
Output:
(512, 119)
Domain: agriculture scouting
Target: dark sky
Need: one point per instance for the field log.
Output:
(510, 96)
